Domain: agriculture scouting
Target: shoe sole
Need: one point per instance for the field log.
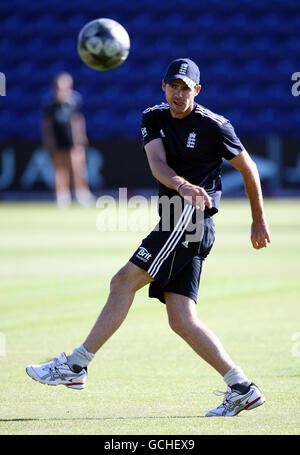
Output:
(254, 404)
(74, 385)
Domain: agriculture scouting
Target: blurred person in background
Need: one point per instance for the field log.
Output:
(64, 137)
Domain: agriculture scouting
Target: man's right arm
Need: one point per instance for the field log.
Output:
(157, 160)
(162, 172)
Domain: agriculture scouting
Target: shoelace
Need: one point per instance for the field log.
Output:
(54, 359)
(226, 403)
(53, 370)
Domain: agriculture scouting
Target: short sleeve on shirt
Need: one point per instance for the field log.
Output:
(228, 143)
(150, 129)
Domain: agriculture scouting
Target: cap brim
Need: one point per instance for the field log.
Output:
(189, 82)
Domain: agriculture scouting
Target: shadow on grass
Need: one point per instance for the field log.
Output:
(25, 419)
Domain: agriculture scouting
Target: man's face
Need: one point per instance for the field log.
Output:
(180, 97)
(63, 87)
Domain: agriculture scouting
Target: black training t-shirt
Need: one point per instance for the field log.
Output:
(195, 146)
(60, 115)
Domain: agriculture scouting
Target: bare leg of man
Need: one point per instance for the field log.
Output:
(80, 176)
(183, 319)
(123, 287)
(62, 165)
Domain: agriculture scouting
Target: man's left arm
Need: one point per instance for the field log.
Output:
(260, 236)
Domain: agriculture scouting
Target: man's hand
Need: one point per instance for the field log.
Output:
(260, 236)
(196, 195)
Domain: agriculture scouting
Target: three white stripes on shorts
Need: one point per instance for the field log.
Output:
(173, 239)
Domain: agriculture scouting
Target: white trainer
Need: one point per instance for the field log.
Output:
(235, 401)
(58, 372)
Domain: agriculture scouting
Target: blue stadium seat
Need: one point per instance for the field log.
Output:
(246, 51)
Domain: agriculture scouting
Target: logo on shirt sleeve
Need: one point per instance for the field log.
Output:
(144, 132)
(143, 254)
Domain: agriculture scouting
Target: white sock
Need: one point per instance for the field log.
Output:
(84, 197)
(80, 356)
(236, 376)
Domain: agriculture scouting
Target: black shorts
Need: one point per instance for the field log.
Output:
(172, 260)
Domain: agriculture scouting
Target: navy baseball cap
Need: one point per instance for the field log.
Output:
(184, 69)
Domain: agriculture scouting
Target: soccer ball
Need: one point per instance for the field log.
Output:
(103, 44)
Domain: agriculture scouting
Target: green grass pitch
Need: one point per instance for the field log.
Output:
(55, 270)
